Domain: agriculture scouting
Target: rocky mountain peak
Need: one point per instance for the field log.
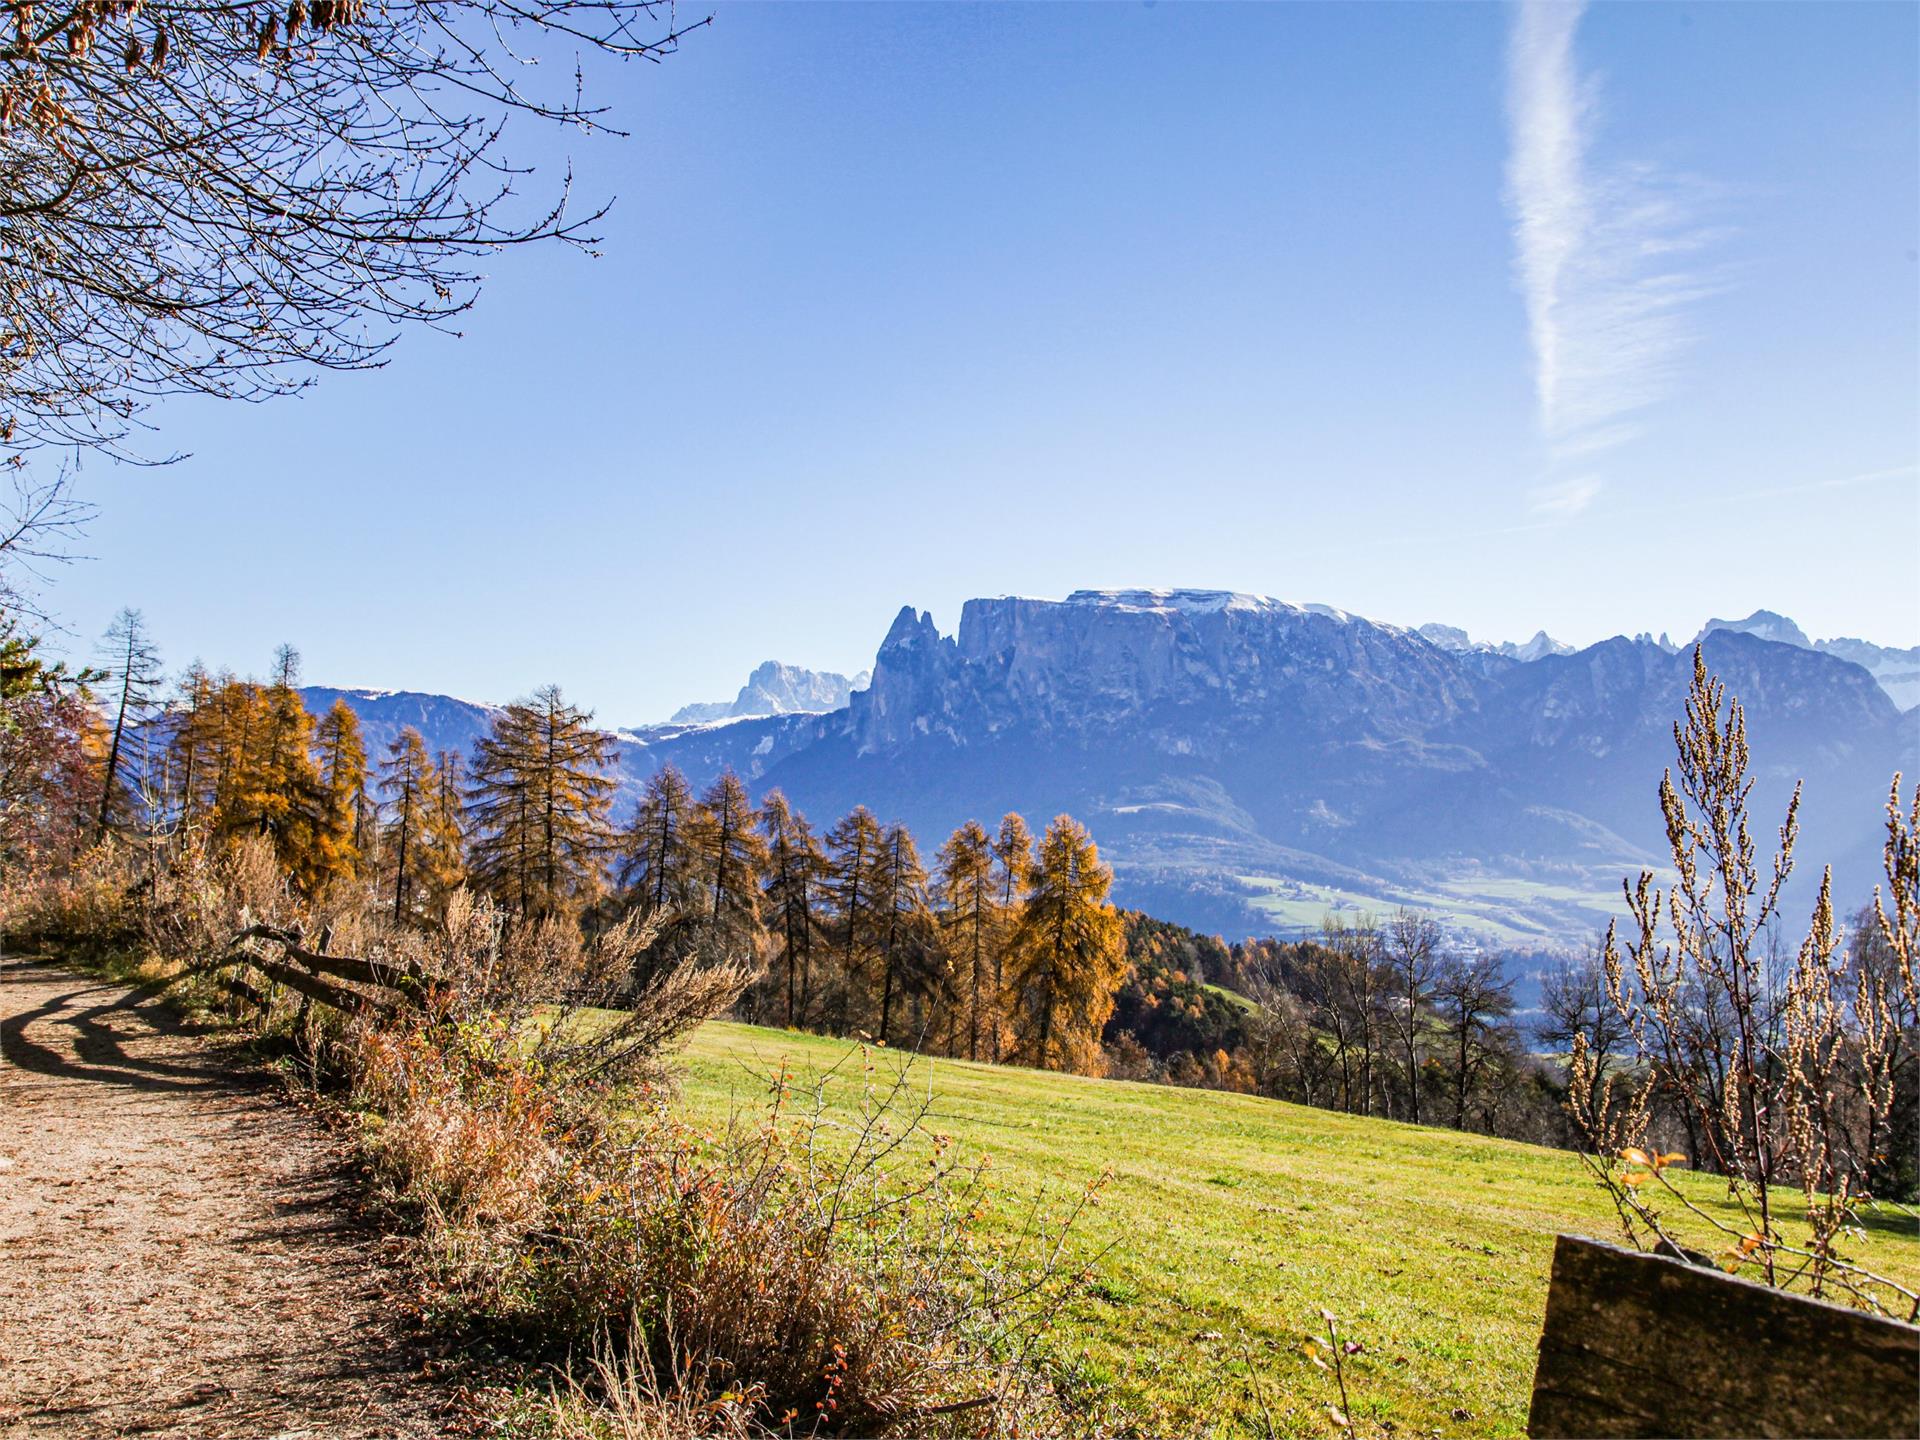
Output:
(1456, 640)
(1188, 660)
(1766, 624)
(775, 688)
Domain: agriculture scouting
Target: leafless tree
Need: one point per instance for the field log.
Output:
(1340, 980)
(1474, 999)
(133, 665)
(222, 198)
(1290, 1061)
(1574, 1003)
(1412, 952)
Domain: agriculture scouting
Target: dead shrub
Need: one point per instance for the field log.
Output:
(87, 906)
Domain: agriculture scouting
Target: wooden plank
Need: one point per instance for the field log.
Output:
(313, 986)
(406, 983)
(1639, 1345)
(360, 972)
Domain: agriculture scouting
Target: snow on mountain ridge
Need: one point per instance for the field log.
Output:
(1198, 602)
(1452, 637)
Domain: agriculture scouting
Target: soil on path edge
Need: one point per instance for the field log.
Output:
(178, 1251)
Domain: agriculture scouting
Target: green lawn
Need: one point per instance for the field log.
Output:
(1234, 1220)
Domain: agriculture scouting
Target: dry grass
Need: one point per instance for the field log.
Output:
(794, 1274)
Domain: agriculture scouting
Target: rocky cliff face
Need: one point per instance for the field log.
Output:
(1186, 668)
(1228, 748)
(1896, 670)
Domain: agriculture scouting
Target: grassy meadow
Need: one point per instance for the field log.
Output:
(1233, 1220)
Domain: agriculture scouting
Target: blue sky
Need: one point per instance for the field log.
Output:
(1598, 322)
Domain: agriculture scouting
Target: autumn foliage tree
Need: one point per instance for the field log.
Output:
(51, 747)
(659, 858)
(134, 673)
(855, 882)
(273, 784)
(792, 899)
(539, 796)
(407, 786)
(1067, 953)
(974, 922)
(341, 761)
(730, 855)
(908, 959)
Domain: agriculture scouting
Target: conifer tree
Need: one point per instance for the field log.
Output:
(855, 861)
(540, 798)
(342, 765)
(275, 788)
(135, 676)
(970, 917)
(659, 863)
(443, 840)
(410, 788)
(234, 727)
(1013, 862)
(905, 930)
(795, 869)
(1068, 952)
(731, 856)
(194, 746)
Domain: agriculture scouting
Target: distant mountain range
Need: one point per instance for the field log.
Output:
(776, 689)
(1249, 765)
(1898, 671)
(1452, 637)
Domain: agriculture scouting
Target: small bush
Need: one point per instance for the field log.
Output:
(809, 1277)
(88, 907)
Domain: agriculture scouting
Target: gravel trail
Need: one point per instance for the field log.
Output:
(179, 1255)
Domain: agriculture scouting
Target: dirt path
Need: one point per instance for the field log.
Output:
(177, 1253)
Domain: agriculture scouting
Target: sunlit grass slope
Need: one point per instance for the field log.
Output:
(1234, 1220)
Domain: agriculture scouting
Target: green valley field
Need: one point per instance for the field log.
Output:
(1233, 1220)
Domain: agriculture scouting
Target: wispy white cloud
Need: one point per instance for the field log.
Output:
(1552, 505)
(1608, 261)
(1564, 498)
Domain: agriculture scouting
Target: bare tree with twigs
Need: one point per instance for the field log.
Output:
(1782, 1089)
(222, 197)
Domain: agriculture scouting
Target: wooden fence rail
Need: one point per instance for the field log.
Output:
(314, 974)
(317, 975)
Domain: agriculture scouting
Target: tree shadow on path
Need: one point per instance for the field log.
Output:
(102, 1020)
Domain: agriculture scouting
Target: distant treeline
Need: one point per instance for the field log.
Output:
(997, 947)
(1370, 1017)
(994, 948)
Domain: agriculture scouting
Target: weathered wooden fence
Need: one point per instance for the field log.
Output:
(1641, 1345)
(312, 973)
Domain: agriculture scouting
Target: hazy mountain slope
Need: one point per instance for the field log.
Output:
(443, 722)
(1897, 670)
